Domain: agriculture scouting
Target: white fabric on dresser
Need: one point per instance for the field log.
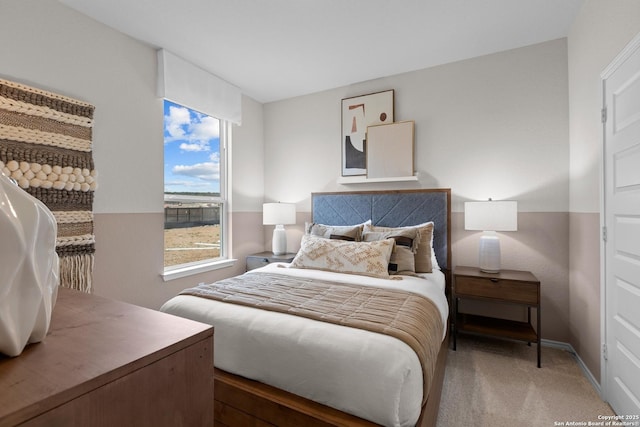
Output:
(373, 376)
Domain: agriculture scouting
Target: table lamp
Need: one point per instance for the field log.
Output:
(279, 214)
(489, 217)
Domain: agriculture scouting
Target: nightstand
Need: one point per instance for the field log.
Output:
(506, 287)
(263, 258)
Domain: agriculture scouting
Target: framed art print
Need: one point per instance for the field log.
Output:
(358, 113)
(390, 150)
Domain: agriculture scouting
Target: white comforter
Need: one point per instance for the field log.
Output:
(370, 375)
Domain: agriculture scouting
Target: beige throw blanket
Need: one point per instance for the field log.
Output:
(412, 318)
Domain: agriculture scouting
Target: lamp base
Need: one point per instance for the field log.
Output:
(489, 254)
(279, 243)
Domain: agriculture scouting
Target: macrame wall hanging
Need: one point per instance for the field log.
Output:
(45, 146)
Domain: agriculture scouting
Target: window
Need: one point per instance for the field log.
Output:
(194, 188)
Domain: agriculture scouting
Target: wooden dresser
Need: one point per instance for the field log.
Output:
(107, 363)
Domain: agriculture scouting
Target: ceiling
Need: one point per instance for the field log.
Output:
(277, 49)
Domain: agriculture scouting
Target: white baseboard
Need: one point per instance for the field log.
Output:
(569, 348)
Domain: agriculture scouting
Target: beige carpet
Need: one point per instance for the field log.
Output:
(490, 382)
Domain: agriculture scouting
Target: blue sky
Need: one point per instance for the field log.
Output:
(191, 150)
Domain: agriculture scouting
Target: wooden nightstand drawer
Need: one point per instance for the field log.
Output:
(502, 289)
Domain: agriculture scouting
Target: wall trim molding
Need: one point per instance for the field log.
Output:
(569, 348)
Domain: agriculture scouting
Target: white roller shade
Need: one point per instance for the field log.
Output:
(186, 84)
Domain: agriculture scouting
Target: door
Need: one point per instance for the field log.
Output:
(621, 83)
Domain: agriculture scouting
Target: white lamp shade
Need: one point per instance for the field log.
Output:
(278, 213)
(491, 215)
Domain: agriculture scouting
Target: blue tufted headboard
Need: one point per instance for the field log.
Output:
(391, 209)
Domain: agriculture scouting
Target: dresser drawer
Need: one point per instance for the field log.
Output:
(495, 288)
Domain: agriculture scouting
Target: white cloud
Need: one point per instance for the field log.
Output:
(195, 146)
(207, 171)
(176, 120)
(194, 128)
(205, 129)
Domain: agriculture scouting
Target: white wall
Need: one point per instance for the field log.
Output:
(494, 126)
(55, 48)
(491, 126)
(247, 159)
(52, 47)
(599, 33)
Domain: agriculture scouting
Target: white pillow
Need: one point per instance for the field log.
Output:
(425, 258)
(403, 256)
(352, 233)
(340, 232)
(341, 256)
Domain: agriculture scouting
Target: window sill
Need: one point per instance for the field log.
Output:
(191, 269)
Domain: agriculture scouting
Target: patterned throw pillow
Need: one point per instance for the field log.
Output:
(365, 258)
(341, 232)
(403, 256)
(424, 257)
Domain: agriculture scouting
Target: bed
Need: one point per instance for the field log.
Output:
(273, 368)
